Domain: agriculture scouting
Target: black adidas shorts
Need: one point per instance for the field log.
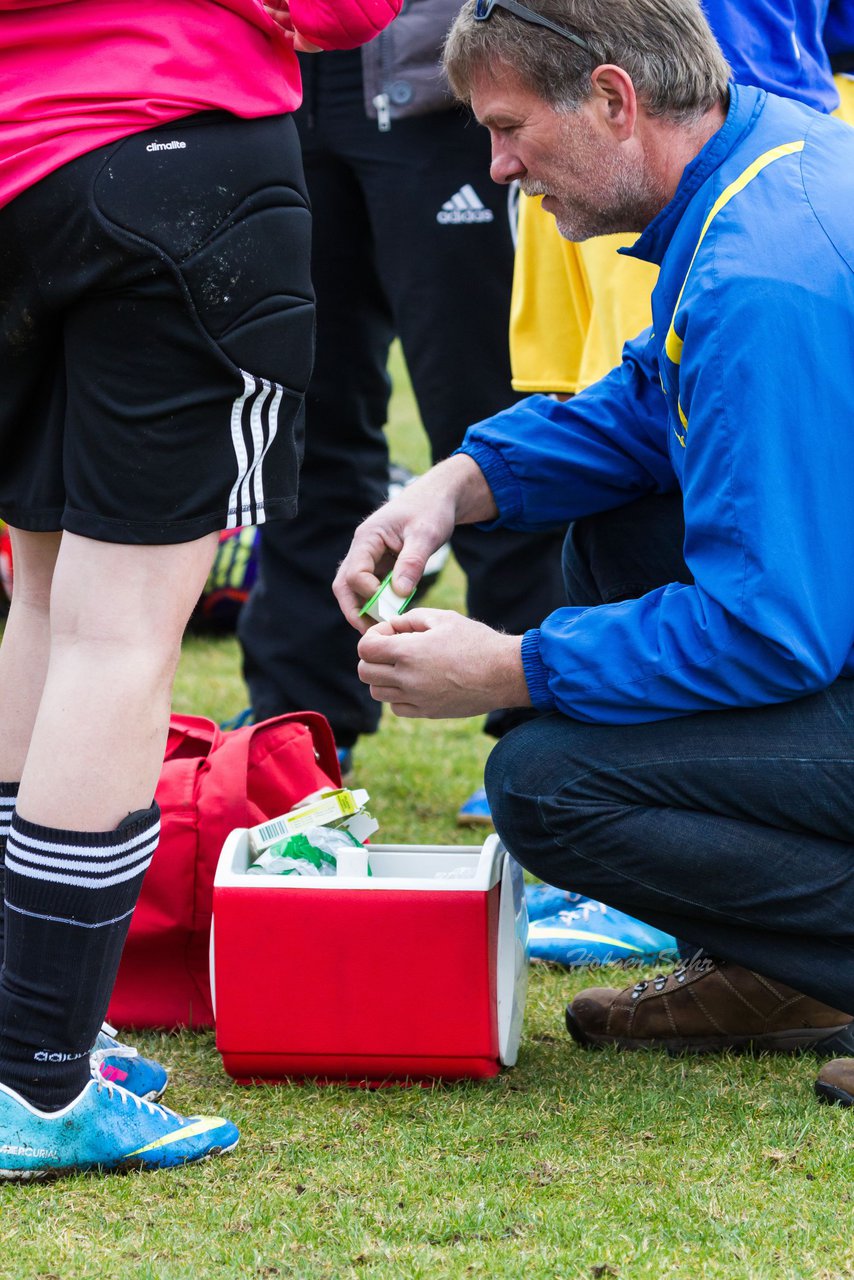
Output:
(156, 334)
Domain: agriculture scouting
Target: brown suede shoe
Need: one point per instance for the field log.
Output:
(835, 1082)
(707, 1006)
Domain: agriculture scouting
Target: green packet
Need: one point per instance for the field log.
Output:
(309, 853)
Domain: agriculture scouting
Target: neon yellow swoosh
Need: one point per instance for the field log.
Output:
(204, 1124)
(579, 935)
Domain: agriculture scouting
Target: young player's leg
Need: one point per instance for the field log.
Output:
(23, 665)
(117, 616)
(25, 648)
(79, 844)
(73, 870)
(160, 438)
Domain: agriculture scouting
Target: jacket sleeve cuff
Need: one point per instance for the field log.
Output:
(499, 477)
(536, 673)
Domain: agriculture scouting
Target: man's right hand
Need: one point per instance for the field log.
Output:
(406, 531)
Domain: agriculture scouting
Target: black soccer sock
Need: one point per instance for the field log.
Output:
(8, 796)
(69, 899)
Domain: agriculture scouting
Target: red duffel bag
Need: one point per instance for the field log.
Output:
(211, 783)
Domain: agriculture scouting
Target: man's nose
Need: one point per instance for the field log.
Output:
(505, 167)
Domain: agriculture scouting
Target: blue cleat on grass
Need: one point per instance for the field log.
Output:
(120, 1064)
(105, 1128)
(475, 811)
(571, 929)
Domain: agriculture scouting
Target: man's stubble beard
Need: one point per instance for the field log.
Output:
(626, 198)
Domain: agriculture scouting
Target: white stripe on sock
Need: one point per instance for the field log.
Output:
(77, 881)
(79, 924)
(24, 858)
(7, 808)
(26, 842)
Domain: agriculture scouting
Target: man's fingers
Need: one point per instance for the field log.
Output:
(397, 700)
(414, 620)
(350, 604)
(376, 673)
(409, 566)
(378, 645)
(360, 573)
(409, 710)
(385, 692)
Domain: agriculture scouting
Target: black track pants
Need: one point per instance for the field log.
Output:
(411, 238)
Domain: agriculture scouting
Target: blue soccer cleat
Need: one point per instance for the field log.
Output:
(573, 930)
(120, 1064)
(105, 1128)
(475, 812)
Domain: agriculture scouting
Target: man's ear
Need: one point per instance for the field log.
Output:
(615, 99)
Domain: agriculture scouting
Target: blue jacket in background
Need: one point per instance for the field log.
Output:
(745, 403)
(777, 45)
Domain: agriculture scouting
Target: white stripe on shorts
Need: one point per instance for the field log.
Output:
(263, 398)
(234, 515)
(272, 428)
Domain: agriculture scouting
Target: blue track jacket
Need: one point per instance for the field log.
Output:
(742, 396)
(778, 45)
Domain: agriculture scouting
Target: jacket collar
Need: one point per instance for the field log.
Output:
(745, 104)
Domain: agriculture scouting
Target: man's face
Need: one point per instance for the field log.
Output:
(592, 184)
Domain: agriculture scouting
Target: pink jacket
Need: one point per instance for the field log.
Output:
(78, 74)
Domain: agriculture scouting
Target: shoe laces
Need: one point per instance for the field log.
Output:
(583, 912)
(97, 1056)
(125, 1097)
(676, 976)
(115, 1050)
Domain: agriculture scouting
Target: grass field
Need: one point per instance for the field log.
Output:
(572, 1165)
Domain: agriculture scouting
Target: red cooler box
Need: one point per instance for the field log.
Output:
(418, 971)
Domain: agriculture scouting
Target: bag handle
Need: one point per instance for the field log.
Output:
(228, 763)
(193, 736)
(322, 739)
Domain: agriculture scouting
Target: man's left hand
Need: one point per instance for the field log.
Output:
(435, 664)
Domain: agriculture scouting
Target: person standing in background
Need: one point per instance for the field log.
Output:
(411, 238)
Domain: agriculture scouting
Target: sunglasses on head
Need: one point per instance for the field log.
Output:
(484, 8)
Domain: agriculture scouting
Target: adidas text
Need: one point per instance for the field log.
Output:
(465, 206)
(166, 146)
(44, 1056)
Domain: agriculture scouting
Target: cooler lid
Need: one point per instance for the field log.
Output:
(512, 960)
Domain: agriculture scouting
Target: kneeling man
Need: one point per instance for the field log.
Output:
(694, 762)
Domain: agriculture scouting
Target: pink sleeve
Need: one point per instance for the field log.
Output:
(342, 24)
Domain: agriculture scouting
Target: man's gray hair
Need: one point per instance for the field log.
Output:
(666, 46)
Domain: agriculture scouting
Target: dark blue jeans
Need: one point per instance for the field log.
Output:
(733, 829)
